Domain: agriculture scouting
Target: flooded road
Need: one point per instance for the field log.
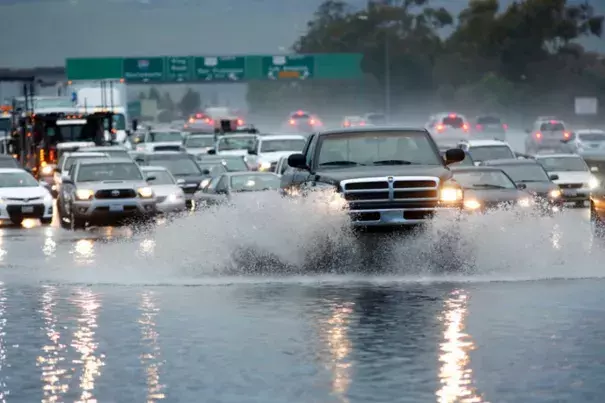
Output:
(110, 315)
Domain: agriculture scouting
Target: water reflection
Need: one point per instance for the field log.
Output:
(84, 343)
(84, 251)
(151, 359)
(50, 246)
(455, 374)
(2, 250)
(30, 223)
(335, 332)
(4, 392)
(147, 247)
(54, 378)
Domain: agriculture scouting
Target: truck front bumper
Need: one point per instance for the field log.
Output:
(399, 217)
(109, 211)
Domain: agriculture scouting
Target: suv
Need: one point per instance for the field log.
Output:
(448, 127)
(103, 192)
(383, 177)
(490, 126)
(548, 136)
(486, 150)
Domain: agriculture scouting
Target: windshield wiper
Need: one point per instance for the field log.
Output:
(530, 180)
(392, 162)
(351, 163)
(488, 186)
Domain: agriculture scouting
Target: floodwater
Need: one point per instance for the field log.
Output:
(112, 315)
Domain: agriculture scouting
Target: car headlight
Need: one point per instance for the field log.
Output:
(47, 170)
(84, 194)
(263, 166)
(593, 183)
(554, 194)
(48, 198)
(472, 204)
(145, 192)
(451, 192)
(204, 183)
(524, 202)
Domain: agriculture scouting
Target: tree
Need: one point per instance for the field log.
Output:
(154, 94)
(190, 102)
(166, 102)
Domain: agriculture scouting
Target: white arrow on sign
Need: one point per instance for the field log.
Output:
(271, 75)
(233, 77)
(304, 75)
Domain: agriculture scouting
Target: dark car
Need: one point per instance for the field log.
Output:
(490, 126)
(221, 188)
(537, 182)
(303, 122)
(7, 161)
(181, 165)
(487, 188)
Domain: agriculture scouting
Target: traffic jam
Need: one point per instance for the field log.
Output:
(70, 166)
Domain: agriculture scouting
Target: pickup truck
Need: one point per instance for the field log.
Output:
(385, 177)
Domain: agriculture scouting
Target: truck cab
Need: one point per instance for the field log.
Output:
(382, 177)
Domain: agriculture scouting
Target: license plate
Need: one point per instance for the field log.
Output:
(116, 207)
(27, 209)
(570, 192)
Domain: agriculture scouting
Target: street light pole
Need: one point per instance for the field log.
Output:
(387, 78)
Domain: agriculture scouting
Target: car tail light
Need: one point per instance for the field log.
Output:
(504, 126)
(346, 124)
(209, 121)
(566, 135)
(465, 127)
(198, 115)
(240, 122)
(538, 135)
(292, 122)
(362, 123)
(452, 115)
(191, 120)
(440, 128)
(479, 127)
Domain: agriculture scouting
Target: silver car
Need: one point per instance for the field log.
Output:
(169, 195)
(104, 192)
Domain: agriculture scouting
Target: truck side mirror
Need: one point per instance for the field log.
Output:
(212, 151)
(135, 125)
(298, 161)
(453, 155)
(554, 177)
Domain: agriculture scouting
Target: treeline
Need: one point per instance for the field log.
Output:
(522, 59)
(170, 110)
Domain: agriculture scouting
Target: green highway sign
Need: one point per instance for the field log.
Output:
(299, 67)
(219, 68)
(209, 69)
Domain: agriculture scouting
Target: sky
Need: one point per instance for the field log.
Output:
(45, 32)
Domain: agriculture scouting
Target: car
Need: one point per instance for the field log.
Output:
(352, 121)
(66, 161)
(182, 166)
(169, 195)
(303, 122)
(111, 151)
(382, 177)
(161, 140)
(8, 161)
(575, 178)
(267, 150)
(222, 188)
(484, 150)
(448, 127)
(550, 136)
(487, 188)
(232, 163)
(22, 197)
(198, 143)
(224, 119)
(490, 126)
(234, 144)
(529, 173)
(588, 141)
(104, 192)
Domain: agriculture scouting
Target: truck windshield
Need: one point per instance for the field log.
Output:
(108, 172)
(377, 148)
(119, 122)
(73, 132)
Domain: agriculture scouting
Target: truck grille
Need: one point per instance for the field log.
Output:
(570, 185)
(116, 194)
(391, 192)
(167, 148)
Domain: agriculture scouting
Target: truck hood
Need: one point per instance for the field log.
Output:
(275, 156)
(33, 192)
(165, 190)
(494, 195)
(75, 144)
(572, 177)
(234, 152)
(335, 176)
(113, 185)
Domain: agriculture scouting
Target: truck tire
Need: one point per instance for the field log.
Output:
(76, 223)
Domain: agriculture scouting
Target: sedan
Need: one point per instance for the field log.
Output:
(222, 188)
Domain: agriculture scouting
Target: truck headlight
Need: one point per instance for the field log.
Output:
(593, 183)
(145, 192)
(264, 166)
(472, 204)
(554, 194)
(84, 194)
(47, 170)
(451, 192)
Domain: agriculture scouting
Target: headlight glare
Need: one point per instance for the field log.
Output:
(145, 192)
(525, 202)
(47, 170)
(263, 166)
(555, 193)
(472, 204)
(593, 183)
(451, 192)
(84, 194)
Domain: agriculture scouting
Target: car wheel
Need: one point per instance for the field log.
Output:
(75, 223)
(62, 216)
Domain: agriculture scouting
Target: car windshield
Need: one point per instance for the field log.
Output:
(109, 172)
(230, 143)
(160, 137)
(202, 141)
(376, 148)
(486, 153)
(17, 180)
(454, 122)
(483, 180)
(563, 164)
(488, 120)
(525, 172)
(270, 146)
(178, 166)
(118, 153)
(252, 182)
(552, 127)
(69, 161)
(591, 136)
(8, 163)
(161, 177)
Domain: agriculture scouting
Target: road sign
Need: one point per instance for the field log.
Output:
(220, 68)
(179, 68)
(300, 67)
(586, 106)
(144, 70)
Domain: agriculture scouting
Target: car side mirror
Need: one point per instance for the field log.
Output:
(135, 125)
(553, 177)
(454, 155)
(212, 151)
(180, 181)
(67, 180)
(151, 178)
(521, 186)
(298, 161)
(252, 152)
(594, 169)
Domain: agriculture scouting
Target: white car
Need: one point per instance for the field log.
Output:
(485, 150)
(161, 140)
(269, 149)
(169, 195)
(590, 140)
(22, 197)
(234, 144)
(353, 121)
(448, 127)
(573, 176)
(199, 143)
